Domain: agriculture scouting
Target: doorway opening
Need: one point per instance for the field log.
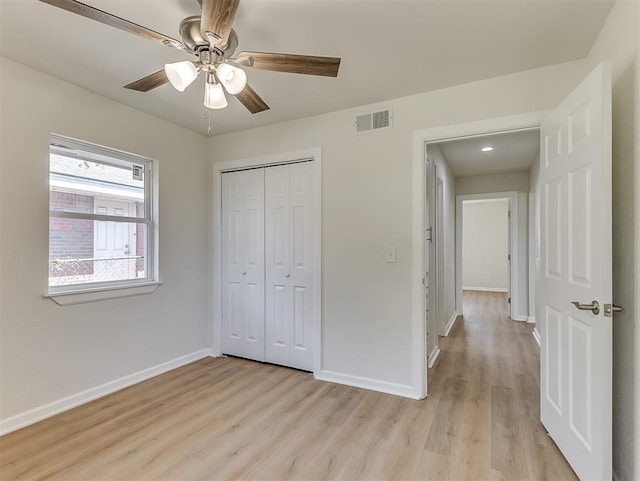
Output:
(497, 252)
(428, 167)
(486, 246)
(494, 187)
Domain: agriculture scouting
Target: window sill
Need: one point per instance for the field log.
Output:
(82, 296)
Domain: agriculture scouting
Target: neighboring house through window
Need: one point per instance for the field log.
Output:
(101, 223)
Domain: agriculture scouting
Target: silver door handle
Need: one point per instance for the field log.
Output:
(244, 273)
(593, 307)
(288, 275)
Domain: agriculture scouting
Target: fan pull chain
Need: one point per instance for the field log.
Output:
(207, 116)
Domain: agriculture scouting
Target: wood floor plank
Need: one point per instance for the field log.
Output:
(234, 419)
(410, 442)
(508, 453)
(447, 422)
(433, 467)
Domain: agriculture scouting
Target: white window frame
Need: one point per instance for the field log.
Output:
(95, 291)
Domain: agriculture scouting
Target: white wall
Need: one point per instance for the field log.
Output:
(483, 184)
(619, 42)
(49, 352)
(485, 245)
(367, 205)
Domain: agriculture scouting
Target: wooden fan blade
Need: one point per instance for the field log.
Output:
(284, 62)
(113, 21)
(217, 18)
(149, 82)
(251, 100)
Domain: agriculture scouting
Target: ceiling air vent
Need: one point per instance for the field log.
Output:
(373, 121)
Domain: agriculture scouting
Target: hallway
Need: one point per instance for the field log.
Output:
(487, 384)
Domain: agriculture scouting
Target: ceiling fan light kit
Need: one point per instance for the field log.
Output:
(233, 78)
(213, 94)
(181, 74)
(210, 38)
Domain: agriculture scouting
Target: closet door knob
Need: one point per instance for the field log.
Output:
(288, 275)
(244, 273)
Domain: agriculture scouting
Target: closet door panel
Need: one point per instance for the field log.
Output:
(278, 260)
(253, 268)
(232, 304)
(243, 264)
(268, 264)
(301, 235)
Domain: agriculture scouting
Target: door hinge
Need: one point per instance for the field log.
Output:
(508, 257)
(429, 234)
(509, 301)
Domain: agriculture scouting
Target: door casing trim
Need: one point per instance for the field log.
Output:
(421, 138)
(312, 154)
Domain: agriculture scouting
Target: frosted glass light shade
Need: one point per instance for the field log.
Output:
(181, 74)
(234, 79)
(214, 96)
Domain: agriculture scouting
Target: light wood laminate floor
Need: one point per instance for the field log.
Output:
(235, 419)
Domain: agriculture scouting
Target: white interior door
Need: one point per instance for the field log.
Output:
(289, 261)
(575, 265)
(243, 264)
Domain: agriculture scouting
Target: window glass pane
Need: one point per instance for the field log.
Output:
(79, 185)
(88, 251)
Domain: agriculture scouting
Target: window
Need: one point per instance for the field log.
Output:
(101, 225)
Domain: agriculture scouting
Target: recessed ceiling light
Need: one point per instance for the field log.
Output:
(487, 149)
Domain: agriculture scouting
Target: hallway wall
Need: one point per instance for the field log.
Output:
(485, 245)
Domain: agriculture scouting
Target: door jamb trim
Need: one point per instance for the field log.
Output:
(510, 123)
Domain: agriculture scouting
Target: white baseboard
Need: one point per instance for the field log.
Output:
(536, 335)
(520, 318)
(56, 407)
(368, 383)
(449, 326)
(486, 289)
(531, 320)
(433, 356)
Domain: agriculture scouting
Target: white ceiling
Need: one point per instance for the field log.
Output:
(389, 49)
(513, 152)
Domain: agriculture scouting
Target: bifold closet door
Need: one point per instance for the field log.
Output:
(243, 269)
(289, 261)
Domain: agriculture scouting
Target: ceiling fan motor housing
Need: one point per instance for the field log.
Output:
(193, 40)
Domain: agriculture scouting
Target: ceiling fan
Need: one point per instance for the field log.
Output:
(210, 38)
